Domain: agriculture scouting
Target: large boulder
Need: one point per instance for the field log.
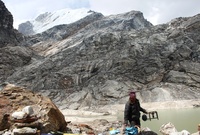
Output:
(45, 116)
(170, 129)
(167, 128)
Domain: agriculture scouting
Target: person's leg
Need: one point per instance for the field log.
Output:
(137, 122)
(132, 123)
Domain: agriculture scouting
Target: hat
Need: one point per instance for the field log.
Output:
(199, 125)
(132, 92)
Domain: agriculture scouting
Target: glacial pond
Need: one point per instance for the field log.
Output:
(182, 119)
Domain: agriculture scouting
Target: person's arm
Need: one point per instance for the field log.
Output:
(126, 112)
(142, 109)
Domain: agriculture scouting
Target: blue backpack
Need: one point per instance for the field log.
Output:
(131, 131)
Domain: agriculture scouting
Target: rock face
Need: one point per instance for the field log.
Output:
(12, 54)
(13, 57)
(14, 99)
(8, 35)
(98, 59)
(6, 17)
(26, 28)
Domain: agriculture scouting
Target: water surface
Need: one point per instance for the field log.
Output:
(182, 119)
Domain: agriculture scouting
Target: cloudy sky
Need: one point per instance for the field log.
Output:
(155, 11)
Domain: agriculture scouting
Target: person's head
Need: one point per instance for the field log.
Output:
(132, 96)
(199, 127)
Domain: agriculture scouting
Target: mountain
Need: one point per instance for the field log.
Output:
(47, 20)
(98, 60)
(12, 54)
(9, 36)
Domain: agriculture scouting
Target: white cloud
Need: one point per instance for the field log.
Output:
(156, 11)
(154, 15)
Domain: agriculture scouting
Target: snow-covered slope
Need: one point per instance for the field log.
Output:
(50, 19)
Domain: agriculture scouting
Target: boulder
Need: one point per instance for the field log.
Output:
(183, 132)
(19, 115)
(170, 129)
(167, 128)
(41, 113)
(24, 131)
(28, 110)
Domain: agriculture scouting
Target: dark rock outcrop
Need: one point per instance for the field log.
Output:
(12, 54)
(8, 36)
(6, 17)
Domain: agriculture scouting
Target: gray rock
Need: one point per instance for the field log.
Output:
(98, 59)
(26, 28)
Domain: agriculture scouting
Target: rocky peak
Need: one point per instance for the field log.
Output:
(6, 21)
(42, 17)
(125, 21)
(8, 35)
(26, 28)
(48, 20)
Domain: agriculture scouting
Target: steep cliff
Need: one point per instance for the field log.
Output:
(12, 54)
(8, 36)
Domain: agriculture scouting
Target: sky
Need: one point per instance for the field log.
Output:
(155, 11)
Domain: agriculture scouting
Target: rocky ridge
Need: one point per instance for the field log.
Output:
(98, 59)
(12, 54)
(47, 20)
(9, 36)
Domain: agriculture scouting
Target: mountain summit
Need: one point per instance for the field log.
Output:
(50, 19)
